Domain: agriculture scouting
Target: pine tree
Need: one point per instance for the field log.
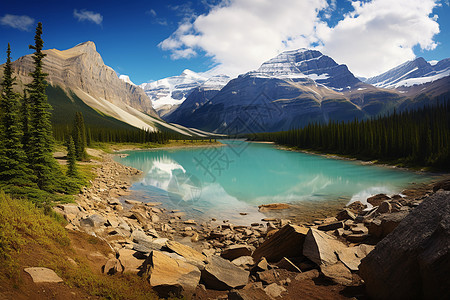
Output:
(79, 136)
(72, 170)
(13, 168)
(40, 145)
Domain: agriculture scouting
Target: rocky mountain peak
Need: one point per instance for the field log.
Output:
(306, 65)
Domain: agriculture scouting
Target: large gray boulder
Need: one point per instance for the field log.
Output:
(221, 274)
(413, 262)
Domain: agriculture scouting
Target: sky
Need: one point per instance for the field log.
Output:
(149, 40)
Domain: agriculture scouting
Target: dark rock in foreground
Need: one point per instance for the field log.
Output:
(414, 260)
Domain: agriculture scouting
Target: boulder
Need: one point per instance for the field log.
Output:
(386, 223)
(112, 266)
(94, 220)
(307, 275)
(171, 277)
(338, 273)
(356, 207)
(251, 293)
(138, 236)
(129, 260)
(444, 184)
(413, 261)
(286, 264)
(274, 290)
(345, 214)
(331, 226)
(244, 262)
(385, 207)
(377, 199)
(287, 242)
(43, 275)
(351, 257)
(191, 255)
(320, 247)
(235, 251)
(221, 274)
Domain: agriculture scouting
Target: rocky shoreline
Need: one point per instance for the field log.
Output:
(271, 259)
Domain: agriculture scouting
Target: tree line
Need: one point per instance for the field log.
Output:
(420, 137)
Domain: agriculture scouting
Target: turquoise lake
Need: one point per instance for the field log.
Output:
(222, 182)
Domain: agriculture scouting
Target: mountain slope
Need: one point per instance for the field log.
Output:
(82, 75)
(410, 73)
(290, 90)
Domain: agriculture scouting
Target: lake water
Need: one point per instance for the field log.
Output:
(222, 182)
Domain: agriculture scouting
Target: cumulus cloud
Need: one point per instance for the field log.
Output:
(241, 34)
(23, 23)
(379, 35)
(86, 15)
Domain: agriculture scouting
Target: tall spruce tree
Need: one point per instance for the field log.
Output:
(72, 170)
(40, 145)
(13, 168)
(79, 136)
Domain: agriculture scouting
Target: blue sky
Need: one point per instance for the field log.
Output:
(149, 40)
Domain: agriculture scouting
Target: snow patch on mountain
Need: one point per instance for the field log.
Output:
(172, 90)
(126, 78)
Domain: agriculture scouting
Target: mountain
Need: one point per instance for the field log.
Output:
(412, 73)
(79, 80)
(172, 91)
(197, 97)
(290, 90)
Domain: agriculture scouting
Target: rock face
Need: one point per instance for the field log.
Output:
(220, 274)
(287, 242)
(171, 276)
(82, 68)
(320, 247)
(43, 275)
(413, 261)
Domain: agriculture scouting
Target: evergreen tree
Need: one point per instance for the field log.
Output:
(72, 170)
(12, 156)
(79, 136)
(40, 145)
(25, 121)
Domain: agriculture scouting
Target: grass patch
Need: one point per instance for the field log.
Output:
(28, 237)
(112, 147)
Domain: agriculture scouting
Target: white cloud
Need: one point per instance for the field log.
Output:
(152, 12)
(380, 34)
(23, 23)
(86, 15)
(241, 34)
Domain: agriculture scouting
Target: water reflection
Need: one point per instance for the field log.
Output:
(259, 175)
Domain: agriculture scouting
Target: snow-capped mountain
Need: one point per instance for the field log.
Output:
(303, 65)
(288, 91)
(198, 97)
(412, 73)
(167, 92)
(126, 79)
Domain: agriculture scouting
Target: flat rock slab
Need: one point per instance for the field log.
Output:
(221, 274)
(235, 251)
(187, 252)
(43, 275)
(338, 273)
